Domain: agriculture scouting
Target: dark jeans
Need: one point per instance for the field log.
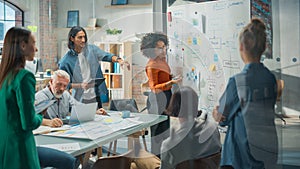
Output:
(58, 159)
(93, 100)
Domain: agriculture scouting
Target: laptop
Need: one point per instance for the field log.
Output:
(83, 113)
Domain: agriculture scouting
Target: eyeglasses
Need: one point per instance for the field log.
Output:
(161, 49)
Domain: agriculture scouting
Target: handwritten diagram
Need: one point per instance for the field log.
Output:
(204, 45)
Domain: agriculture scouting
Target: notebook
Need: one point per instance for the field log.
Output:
(83, 113)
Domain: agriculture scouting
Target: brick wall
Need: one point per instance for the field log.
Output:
(48, 40)
(138, 77)
(18, 18)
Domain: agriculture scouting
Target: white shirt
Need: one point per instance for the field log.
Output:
(86, 76)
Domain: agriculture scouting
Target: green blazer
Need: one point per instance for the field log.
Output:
(17, 120)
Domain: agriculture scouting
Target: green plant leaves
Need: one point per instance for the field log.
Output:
(113, 31)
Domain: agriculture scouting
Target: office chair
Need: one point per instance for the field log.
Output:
(121, 162)
(210, 162)
(280, 86)
(145, 90)
(130, 105)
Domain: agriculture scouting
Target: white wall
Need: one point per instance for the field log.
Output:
(289, 36)
(99, 10)
(132, 20)
(286, 37)
(31, 14)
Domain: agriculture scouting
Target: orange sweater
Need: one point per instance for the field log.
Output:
(158, 72)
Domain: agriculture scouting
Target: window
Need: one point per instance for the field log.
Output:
(10, 15)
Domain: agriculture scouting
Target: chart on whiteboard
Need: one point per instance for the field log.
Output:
(204, 45)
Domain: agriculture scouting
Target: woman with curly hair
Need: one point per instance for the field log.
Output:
(154, 47)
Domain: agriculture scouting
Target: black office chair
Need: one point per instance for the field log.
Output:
(280, 87)
(130, 105)
(123, 104)
(145, 90)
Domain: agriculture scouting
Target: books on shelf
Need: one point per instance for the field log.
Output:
(116, 68)
(116, 81)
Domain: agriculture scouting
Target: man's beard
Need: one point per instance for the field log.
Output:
(57, 95)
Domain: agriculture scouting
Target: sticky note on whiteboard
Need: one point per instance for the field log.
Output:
(212, 67)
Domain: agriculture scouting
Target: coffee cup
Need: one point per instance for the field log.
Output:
(48, 72)
(125, 114)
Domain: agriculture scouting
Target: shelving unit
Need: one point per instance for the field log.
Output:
(117, 79)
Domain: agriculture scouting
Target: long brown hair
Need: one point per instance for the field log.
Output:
(13, 58)
(253, 37)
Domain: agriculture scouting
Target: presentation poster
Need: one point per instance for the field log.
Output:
(204, 45)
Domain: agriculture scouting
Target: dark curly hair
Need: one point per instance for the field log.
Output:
(149, 41)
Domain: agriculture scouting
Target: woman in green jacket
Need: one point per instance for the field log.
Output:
(17, 114)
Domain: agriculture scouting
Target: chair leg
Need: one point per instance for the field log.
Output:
(115, 148)
(144, 142)
(99, 152)
(84, 160)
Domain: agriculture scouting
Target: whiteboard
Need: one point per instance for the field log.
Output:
(204, 45)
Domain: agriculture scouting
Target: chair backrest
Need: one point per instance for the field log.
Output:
(145, 89)
(210, 162)
(119, 162)
(123, 104)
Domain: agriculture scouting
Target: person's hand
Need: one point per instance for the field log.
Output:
(56, 122)
(101, 111)
(177, 79)
(217, 116)
(124, 63)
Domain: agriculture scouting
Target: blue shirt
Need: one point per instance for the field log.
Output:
(59, 109)
(70, 64)
(248, 105)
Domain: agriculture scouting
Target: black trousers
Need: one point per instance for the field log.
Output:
(157, 104)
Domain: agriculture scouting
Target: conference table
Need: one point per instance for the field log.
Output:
(87, 145)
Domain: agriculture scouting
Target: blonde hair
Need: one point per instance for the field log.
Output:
(60, 73)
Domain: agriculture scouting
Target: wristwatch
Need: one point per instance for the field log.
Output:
(118, 58)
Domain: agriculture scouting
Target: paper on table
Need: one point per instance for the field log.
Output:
(42, 130)
(62, 128)
(63, 147)
(47, 129)
(43, 105)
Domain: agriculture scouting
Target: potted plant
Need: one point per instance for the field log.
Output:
(113, 34)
